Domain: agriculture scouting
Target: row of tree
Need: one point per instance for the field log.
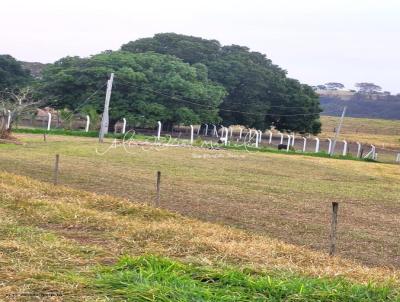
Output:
(362, 88)
(177, 79)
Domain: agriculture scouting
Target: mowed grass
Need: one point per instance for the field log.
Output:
(61, 244)
(382, 133)
(284, 197)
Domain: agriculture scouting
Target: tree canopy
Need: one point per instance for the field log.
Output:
(368, 88)
(148, 87)
(334, 85)
(12, 74)
(259, 93)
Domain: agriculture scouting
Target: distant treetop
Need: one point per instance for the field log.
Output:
(368, 88)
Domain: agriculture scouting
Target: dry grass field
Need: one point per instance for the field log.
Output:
(382, 133)
(284, 197)
(53, 239)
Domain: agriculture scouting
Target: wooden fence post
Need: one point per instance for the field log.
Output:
(335, 208)
(56, 169)
(158, 188)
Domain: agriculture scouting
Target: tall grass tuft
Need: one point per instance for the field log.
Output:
(151, 278)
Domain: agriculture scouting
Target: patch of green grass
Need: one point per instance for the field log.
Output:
(291, 152)
(151, 278)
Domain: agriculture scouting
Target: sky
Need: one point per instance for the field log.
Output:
(316, 41)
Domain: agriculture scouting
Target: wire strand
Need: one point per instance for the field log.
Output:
(211, 107)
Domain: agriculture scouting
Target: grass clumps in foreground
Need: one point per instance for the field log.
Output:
(151, 278)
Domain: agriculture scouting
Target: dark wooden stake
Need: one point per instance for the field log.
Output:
(158, 188)
(56, 169)
(335, 208)
(44, 137)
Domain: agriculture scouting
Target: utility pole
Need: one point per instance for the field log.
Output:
(337, 132)
(105, 119)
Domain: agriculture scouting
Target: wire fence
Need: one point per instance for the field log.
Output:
(236, 135)
(288, 200)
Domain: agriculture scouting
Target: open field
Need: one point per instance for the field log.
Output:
(382, 133)
(66, 243)
(284, 197)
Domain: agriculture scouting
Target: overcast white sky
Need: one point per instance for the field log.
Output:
(316, 41)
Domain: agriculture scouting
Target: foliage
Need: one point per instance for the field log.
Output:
(334, 86)
(258, 91)
(148, 87)
(150, 278)
(368, 88)
(12, 74)
(66, 117)
(15, 103)
(91, 111)
(362, 105)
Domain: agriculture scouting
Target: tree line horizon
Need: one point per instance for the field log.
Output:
(176, 79)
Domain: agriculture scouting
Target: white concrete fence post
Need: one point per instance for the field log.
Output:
(288, 142)
(231, 131)
(259, 136)
(293, 138)
(371, 153)
(49, 121)
(270, 137)
(256, 138)
(398, 158)
(159, 131)
(358, 150)
(8, 120)
(206, 130)
(198, 130)
(240, 133)
(87, 123)
(123, 125)
(224, 135)
(304, 144)
(330, 146)
(215, 132)
(281, 138)
(191, 134)
(344, 148)
(316, 145)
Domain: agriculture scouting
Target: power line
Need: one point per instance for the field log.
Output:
(275, 106)
(211, 107)
(86, 100)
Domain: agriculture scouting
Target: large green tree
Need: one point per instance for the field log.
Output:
(12, 74)
(259, 92)
(147, 87)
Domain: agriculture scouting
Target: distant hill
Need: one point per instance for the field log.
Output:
(359, 105)
(35, 68)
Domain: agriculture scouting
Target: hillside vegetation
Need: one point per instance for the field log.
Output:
(382, 133)
(362, 106)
